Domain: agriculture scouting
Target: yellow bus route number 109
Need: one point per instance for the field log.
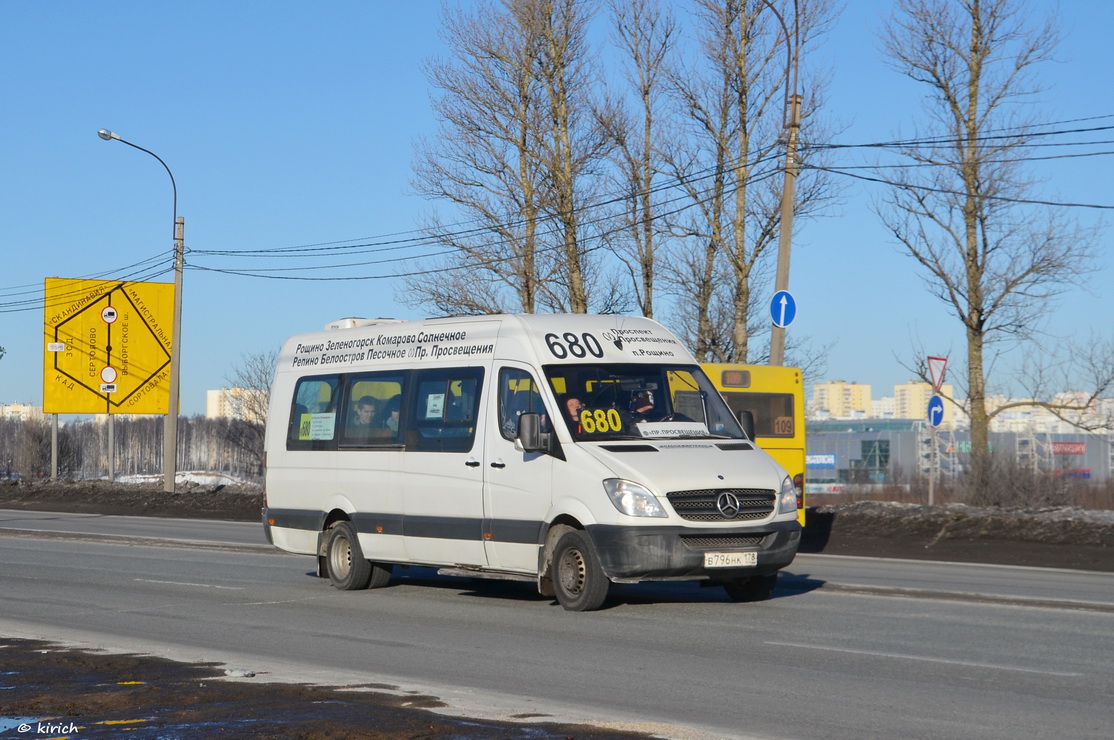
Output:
(600, 420)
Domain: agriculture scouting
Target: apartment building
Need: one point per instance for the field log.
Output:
(911, 402)
(247, 404)
(20, 411)
(838, 399)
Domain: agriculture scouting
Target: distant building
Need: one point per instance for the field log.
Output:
(838, 399)
(884, 408)
(1029, 416)
(20, 411)
(103, 418)
(246, 404)
(896, 444)
(911, 402)
(898, 451)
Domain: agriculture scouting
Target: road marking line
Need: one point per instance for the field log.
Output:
(182, 583)
(947, 661)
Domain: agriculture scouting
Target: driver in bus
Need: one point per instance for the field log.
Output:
(642, 406)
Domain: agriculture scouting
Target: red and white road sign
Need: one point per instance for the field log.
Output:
(936, 368)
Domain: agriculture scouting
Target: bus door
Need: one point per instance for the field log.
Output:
(517, 485)
(442, 481)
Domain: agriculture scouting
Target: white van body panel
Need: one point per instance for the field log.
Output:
(369, 481)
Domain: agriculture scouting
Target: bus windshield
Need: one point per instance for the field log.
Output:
(621, 401)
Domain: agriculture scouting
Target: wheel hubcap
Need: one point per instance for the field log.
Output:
(342, 557)
(572, 572)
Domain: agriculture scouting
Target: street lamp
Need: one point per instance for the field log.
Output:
(792, 167)
(170, 429)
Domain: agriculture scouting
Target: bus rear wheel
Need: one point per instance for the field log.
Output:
(578, 579)
(755, 588)
(344, 560)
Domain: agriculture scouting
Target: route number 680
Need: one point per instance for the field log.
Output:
(600, 420)
(570, 344)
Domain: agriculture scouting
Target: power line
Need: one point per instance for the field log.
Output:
(144, 271)
(386, 243)
(1008, 160)
(946, 191)
(35, 287)
(935, 141)
(400, 241)
(469, 265)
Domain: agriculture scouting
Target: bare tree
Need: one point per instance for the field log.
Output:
(993, 260)
(733, 110)
(25, 449)
(1088, 364)
(252, 379)
(574, 142)
(646, 35)
(484, 161)
(516, 143)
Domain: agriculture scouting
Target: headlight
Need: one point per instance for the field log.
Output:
(632, 499)
(787, 498)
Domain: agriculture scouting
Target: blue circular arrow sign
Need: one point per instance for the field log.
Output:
(935, 411)
(783, 308)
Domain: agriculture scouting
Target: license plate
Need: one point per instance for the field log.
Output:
(730, 559)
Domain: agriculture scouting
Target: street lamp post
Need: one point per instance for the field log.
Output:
(170, 429)
(792, 167)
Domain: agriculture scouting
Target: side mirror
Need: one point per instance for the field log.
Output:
(530, 437)
(746, 419)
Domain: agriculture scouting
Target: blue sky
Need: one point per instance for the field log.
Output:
(293, 123)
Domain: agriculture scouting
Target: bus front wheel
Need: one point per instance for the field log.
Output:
(578, 580)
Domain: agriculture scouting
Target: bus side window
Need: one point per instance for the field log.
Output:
(313, 414)
(442, 416)
(378, 395)
(518, 394)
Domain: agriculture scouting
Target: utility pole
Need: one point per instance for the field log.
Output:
(792, 120)
(785, 238)
(170, 428)
(170, 431)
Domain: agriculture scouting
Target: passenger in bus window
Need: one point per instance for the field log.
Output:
(360, 423)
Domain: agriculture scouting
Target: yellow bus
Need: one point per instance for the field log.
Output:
(776, 398)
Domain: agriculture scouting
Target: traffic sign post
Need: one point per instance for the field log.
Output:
(936, 411)
(783, 308)
(936, 368)
(935, 418)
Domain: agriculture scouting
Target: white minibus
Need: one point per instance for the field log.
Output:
(573, 451)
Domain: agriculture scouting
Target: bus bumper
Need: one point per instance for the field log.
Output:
(267, 526)
(631, 554)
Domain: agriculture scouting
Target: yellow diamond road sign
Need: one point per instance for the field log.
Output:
(107, 347)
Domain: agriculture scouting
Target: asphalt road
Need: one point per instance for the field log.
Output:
(849, 647)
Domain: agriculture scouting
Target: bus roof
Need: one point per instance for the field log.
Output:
(362, 344)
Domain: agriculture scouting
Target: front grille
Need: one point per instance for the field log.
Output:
(700, 505)
(731, 541)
